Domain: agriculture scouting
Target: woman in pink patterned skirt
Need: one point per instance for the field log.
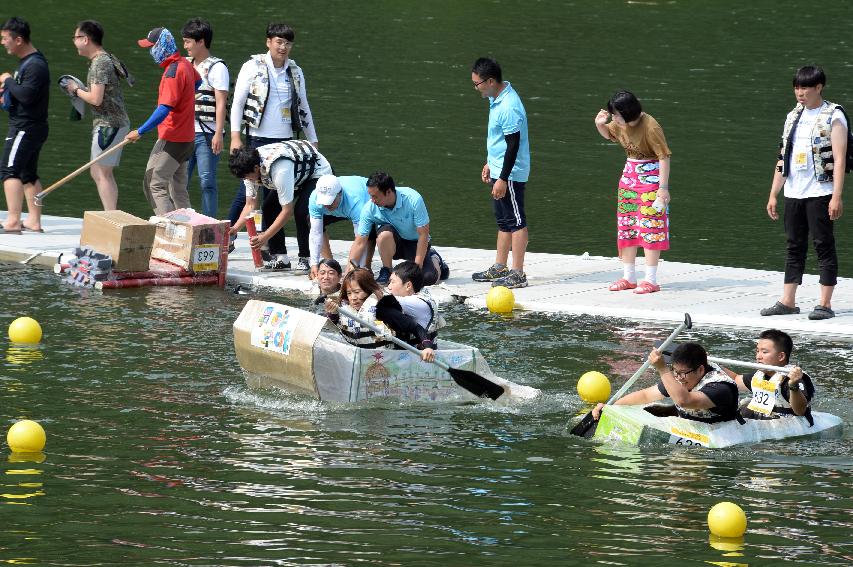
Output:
(642, 213)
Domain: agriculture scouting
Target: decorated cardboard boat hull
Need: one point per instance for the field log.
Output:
(636, 426)
(283, 347)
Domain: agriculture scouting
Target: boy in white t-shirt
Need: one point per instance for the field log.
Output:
(811, 169)
(210, 102)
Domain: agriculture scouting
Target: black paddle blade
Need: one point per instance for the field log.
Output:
(476, 384)
(585, 427)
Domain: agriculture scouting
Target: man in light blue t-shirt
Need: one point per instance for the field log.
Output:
(506, 171)
(401, 221)
(336, 199)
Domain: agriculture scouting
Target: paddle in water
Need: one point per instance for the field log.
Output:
(586, 426)
(471, 381)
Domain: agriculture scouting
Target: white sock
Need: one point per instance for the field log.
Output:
(652, 274)
(629, 272)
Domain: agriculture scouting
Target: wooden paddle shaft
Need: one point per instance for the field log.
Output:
(400, 343)
(42, 194)
(755, 365)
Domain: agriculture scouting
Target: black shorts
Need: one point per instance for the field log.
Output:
(408, 250)
(21, 154)
(509, 210)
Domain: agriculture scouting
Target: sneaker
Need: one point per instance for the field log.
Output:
(490, 275)
(265, 255)
(384, 276)
(512, 280)
(278, 264)
(302, 266)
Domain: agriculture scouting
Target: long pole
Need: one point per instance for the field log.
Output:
(42, 194)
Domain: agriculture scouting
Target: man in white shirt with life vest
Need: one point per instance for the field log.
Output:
(811, 167)
(271, 104)
(288, 171)
(210, 102)
(775, 394)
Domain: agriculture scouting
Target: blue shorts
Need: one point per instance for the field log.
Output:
(509, 210)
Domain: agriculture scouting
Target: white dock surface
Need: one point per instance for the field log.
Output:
(715, 296)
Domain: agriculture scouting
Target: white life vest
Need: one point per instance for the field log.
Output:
(360, 336)
(259, 92)
(768, 399)
(205, 97)
(303, 155)
(821, 142)
(707, 415)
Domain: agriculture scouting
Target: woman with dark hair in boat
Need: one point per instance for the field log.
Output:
(359, 292)
(775, 394)
(700, 392)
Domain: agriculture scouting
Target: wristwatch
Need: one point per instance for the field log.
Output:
(797, 386)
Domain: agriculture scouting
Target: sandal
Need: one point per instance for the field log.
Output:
(621, 285)
(780, 309)
(820, 313)
(646, 287)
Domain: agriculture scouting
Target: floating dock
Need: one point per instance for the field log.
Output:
(715, 296)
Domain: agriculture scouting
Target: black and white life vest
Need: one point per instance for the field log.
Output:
(303, 155)
(707, 415)
(782, 406)
(820, 137)
(435, 320)
(259, 92)
(360, 336)
(205, 97)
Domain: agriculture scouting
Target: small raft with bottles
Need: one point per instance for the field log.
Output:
(643, 425)
(291, 349)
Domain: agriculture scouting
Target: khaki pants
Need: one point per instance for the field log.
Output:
(165, 183)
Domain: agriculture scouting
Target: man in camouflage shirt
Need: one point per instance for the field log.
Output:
(110, 123)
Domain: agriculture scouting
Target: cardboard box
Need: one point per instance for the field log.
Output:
(189, 240)
(125, 238)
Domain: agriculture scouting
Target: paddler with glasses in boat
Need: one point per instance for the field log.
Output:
(700, 392)
(775, 394)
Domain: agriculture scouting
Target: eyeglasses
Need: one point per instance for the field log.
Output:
(73, 37)
(682, 374)
(480, 83)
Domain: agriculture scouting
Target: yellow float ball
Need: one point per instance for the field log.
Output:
(26, 436)
(594, 387)
(500, 300)
(25, 330)
(727, 519)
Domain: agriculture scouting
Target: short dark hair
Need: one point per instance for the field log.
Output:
(781, 340)
(809, 76)
(283, 31)
(409, 271)
(93, 30)
(487, 68)
(198, 29)
(626, 104)
(243, 161)
(691, 355)
(332, 263)
(18, 27)
(381, 181)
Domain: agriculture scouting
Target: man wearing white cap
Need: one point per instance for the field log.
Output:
(336, 199)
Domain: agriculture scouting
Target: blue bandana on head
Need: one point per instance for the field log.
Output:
(164, 47)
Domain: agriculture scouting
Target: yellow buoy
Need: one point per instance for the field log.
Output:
(25, 330)
(26, 436)
(727, 519)
(594, 387)
(500, 300)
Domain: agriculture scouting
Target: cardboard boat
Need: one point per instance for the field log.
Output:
(635, 425)
(284, 347)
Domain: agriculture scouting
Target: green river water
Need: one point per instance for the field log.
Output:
(158, 454)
